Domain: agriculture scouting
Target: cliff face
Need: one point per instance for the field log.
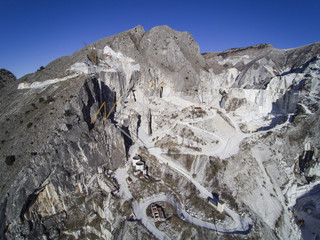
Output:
(58, 158)
(58, 155)
(216, 122)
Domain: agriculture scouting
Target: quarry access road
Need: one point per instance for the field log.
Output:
(227, 146)
(240, 225)
(141, 206)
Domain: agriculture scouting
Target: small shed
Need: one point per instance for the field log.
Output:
(217, 204)
(158, 213)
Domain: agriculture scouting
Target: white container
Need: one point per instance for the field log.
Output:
(135, 160)
(140, 166)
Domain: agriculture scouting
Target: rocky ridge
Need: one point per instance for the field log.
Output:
(6, 77)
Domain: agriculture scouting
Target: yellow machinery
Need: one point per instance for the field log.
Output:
(105, 111)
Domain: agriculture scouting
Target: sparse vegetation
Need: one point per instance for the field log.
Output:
(203, 206)
(278, 222)
(266, 135)
(40, 69)
(166, 142)
(67, 113)
(10, 160)
(173, 150)
(174, 116)
(215, 165)
(188, 133)
(187, 159)
(227, 196)
(48, 100)
(198, 113)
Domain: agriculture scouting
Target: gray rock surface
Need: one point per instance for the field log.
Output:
(258, 64)
(6, 77)
(54, 145)
(57, 177)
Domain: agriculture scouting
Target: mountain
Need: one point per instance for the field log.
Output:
(140, 136)
(263, 61)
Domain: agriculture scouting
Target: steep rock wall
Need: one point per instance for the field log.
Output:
(64, 173)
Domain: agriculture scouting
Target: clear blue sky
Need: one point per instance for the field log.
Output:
(33, 33)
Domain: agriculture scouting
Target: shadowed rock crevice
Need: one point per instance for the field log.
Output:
(31, 199)
(3, 226)
(87, 105)
(138, 124)
(90, 101)
(127, 139)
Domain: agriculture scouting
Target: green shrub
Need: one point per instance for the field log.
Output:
(174, 116)
(40, 69)
(67, 113)
(10, 160)
(48, 100)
